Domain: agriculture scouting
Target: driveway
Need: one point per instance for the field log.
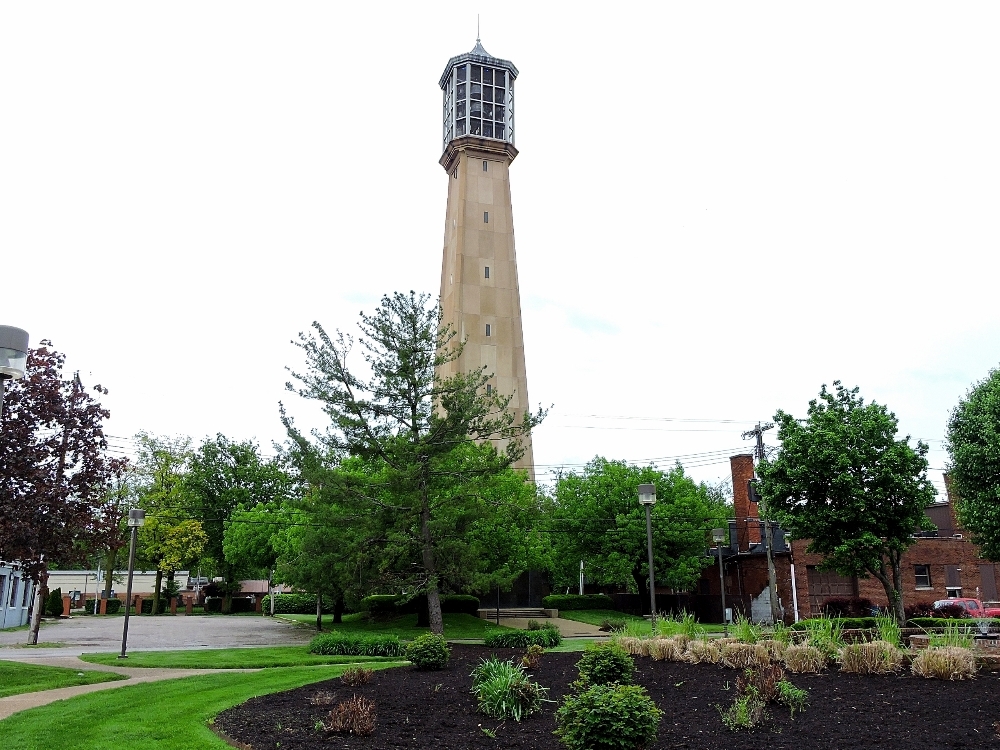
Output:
(78, 635)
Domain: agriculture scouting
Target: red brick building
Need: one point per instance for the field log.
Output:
(939, 564)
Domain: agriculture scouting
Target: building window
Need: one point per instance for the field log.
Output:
(486, 217)
(922, 575)
(485, 167)
(489, 389)
(24, 596)
(489, 330)
(487, 272)
(13, 591)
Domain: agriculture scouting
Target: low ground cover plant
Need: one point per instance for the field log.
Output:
(612, 625)
(505, 691)
(428, 652)
(356, 644)
(755, 689)
(608, 717)
(532, 656)
(546, 637)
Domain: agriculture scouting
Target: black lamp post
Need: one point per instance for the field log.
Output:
(718, 536)
(647, 498)
(136, 518)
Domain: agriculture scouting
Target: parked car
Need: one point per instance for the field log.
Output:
(974, 607)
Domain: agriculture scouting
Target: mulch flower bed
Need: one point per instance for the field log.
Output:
(437, 710)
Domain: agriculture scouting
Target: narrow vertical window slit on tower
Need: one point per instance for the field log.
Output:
(488, 329)
(486, 217)
(487, 272)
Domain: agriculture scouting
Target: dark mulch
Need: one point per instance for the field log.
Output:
(436, 710)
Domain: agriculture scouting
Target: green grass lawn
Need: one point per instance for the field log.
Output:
(597, 616)
(456, 626)
(17, 678)
(170, 714)
(227, 658)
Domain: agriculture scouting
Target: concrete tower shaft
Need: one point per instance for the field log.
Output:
(480, 297)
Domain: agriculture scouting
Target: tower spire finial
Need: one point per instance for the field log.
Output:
(477, 28)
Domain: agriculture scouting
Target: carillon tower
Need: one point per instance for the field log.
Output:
(479, 292)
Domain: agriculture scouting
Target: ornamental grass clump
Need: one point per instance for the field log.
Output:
(888, 630)
(826, 634)
(804, 659)
(744, 630)
(356, 676)
(667, 649)
(744, 655)
(428, 651)
(608, 717)
(876, 657)
(631, 644)
(354, 716)
(945, 663)
(703, 651)
(775, 648)
(504, 690)
(953, 635)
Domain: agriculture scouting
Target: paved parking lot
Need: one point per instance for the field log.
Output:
(78, 635)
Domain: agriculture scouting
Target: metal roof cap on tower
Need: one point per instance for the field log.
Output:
(479, 55)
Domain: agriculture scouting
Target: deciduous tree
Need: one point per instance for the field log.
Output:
(413, 429)
(843, 480)
(974, 449)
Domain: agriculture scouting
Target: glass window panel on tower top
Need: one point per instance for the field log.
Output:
(478, 97)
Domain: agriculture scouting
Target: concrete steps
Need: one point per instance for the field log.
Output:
(524, 613)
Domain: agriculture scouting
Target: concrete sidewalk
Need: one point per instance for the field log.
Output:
(567, 628)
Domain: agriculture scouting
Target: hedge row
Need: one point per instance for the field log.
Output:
(392, 604)
(547, 637)
(114, 606)
(356, 644)
(570, 602)
(868, 623)
(295, 604)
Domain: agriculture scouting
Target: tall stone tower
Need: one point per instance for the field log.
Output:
(479, 292)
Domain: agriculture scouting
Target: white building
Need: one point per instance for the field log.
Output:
(15, 597)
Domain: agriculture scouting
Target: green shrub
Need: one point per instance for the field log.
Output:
(464, 604)
(54, 604)
(295, 604)
(213, 605)
(602, 663)
(608, 717)
(927, 623)
(147, 606)
(547, 637)
(570, 602)
(240, 604)
(504, 690)
(428, 651)
(355, 644)
(379, 605)
(844, 623)
(612, 625)
(114, 606)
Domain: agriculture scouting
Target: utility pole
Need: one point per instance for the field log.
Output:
(772, 584)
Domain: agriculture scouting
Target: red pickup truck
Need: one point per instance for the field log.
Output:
(974, 607)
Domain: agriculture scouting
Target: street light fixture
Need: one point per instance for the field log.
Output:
(647, 498)
(13, 356)
(136, 518)
(718, 536)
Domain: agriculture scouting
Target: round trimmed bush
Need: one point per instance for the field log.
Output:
(428, 652)
(608, 717)
(54, 604)
(602, 663)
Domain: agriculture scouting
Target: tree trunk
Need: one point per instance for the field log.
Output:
(41, 591)
(109, 581)
(156, 592)
(170, 580)
(892, 595)
(319, 612)
(338, 609)
(227, 596)
(434, 617)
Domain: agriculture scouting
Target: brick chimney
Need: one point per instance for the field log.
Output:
(742, 470)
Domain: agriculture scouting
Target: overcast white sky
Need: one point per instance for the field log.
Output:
(718, 206)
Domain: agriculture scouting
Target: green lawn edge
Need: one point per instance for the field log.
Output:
(456, 626)
(17, 678)
(597, 616)
(167, 714)
(258, 657)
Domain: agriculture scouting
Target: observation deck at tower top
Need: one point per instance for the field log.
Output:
(477, 55)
